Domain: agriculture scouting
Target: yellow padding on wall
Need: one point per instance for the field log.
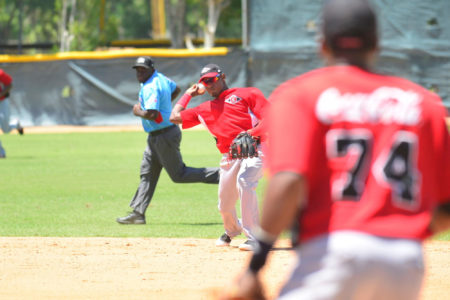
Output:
(108, 54)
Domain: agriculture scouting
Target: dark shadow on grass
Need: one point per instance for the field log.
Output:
(18, 157)
(202, 224)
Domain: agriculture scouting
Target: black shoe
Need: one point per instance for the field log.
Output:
(223, 241)
(132, 218)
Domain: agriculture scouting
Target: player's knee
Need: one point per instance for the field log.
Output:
(177, 175)
(246, 182)
(176, 179)
(220, 207)
(225, 210)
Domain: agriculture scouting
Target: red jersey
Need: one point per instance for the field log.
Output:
(374, 149)
(5, 80)
(234, 111)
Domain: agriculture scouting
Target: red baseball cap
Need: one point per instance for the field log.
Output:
(210, 70)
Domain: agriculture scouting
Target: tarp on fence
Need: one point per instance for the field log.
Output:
(100, 88)
(415, 41)
(98, 91)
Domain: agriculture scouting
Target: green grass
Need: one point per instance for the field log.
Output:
(77, 184)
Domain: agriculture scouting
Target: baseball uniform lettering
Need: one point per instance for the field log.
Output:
(384, 105)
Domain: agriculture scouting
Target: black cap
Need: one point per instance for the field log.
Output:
(144, 61)
(210, 70)
(349, 25)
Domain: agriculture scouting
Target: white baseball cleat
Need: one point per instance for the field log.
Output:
(223, 241)
(248, 245)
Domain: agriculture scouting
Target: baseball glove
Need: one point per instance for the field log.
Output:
(243, 146)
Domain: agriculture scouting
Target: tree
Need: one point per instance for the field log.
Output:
(8, 14)
(209, 19)
(38, 23)
(215, 8)
(87, 25)
(66, 24)
(176, 12)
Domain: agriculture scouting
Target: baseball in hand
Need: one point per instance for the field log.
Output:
(200, 89)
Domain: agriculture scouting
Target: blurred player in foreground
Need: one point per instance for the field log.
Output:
(366, 159)
(5, 88)
(163, 141)
(232, 112)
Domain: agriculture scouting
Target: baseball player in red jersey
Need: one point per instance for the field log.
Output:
(366, 159)
(234, 110)
(5, 124)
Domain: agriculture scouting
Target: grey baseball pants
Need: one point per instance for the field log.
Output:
(163, 151)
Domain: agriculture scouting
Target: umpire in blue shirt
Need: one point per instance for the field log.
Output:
(163, 141)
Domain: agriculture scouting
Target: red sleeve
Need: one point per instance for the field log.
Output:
(292, 129)
(257, 102)
(259, 130)
(258, 105)
(5, 78)
(444, 169)
(190, 117)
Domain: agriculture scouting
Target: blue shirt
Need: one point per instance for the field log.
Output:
(156, 93)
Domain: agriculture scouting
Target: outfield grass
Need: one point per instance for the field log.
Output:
(77, 184)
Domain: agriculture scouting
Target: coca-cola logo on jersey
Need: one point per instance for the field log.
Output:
(233, 99)
(384, 105)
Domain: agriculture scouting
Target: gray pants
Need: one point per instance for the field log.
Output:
(163, 151)
(5, 124)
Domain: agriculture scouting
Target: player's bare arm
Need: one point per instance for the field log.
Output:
(150, 114)
(175, 116)
(285, 196)
(246, 286)
(440, 221)
(175, 93)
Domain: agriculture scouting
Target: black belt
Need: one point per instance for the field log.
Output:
(159, 131)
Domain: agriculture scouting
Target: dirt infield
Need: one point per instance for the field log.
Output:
(152, 268)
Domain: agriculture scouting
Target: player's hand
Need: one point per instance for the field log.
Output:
(246, 286)
(440, 220)
(196, 90)
(136, 109)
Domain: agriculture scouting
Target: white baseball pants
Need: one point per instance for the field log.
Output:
(238, 180)
(356, 266)
(5, 123)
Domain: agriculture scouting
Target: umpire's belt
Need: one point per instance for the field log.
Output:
(160, 131)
